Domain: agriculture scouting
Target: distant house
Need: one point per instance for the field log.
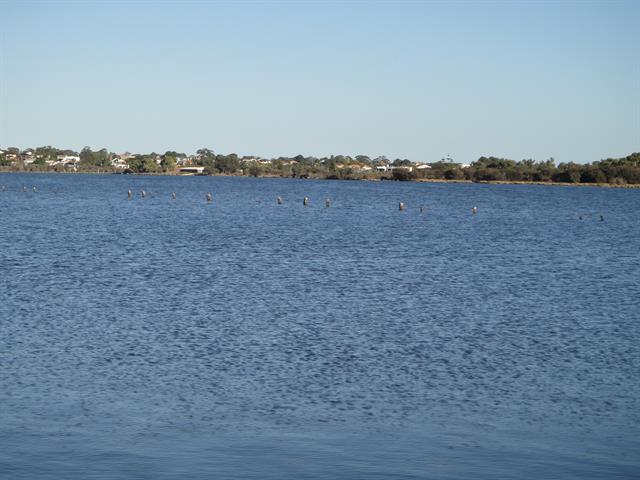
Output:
(125, 155)
(423, 166)
(28, 156)
(382, 168)
(406, 168)
(120, 163)
(191, 170)
(67, 159)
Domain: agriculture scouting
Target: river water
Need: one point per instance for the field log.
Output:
(151, 338)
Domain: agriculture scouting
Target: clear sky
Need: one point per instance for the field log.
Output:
(415, 80)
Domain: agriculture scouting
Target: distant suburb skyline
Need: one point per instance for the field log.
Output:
(416, 80)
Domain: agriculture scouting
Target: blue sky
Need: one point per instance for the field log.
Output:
(415, 80)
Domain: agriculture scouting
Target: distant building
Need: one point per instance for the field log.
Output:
(28, 156)
(191, 170)
(406, 168)
(67, 159)
(120, 160)
(125, 155)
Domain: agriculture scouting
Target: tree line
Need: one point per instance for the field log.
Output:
(618, 171)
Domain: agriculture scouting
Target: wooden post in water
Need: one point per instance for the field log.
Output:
(401, 206)
(209, 197)
(129, 194)
(474, 210)
(327, 202)
(279, 200)
(305, 201)
(143, 193)
(173, 195)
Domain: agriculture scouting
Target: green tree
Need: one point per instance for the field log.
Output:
(254, 169)
(227, 163)
(206, 158)
(102, 158)
(47, 153)
(86, 156)
(149, 164)
(168, 162)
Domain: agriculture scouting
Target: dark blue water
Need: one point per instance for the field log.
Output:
(159, 339)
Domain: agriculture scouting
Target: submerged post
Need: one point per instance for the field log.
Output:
(474, 210)
(209, 197)
(401, 206)
(143, 193)
(129, 194)
(279, 200)
(305, 201)
(327, 202)
(173, 195)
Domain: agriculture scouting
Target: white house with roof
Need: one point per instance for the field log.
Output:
(67, 159)
(28, 156)
(119, 163)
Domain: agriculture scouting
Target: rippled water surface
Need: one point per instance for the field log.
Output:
(156, 338)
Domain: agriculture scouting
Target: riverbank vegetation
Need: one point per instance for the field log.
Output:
(614, 171)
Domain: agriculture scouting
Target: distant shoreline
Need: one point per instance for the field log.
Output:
(420, 180)
(519, 182)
